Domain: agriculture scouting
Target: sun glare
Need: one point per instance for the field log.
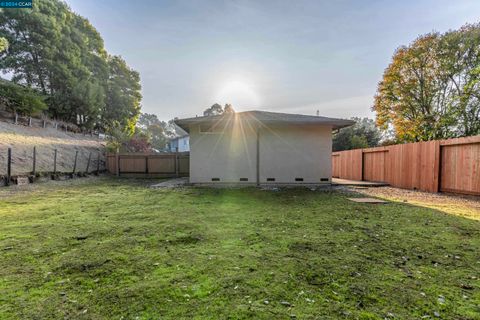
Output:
(238, 93)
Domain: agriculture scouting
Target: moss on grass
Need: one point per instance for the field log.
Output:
(116, 249)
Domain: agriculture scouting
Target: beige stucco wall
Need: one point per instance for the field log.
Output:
(286, 153)
(228, 156)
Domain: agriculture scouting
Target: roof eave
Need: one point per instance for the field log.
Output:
(338, 124)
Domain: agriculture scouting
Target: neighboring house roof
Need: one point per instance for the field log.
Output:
(179, 137)
(267, 118)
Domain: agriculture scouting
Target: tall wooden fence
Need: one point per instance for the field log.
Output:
(451, 165)
(149, 165)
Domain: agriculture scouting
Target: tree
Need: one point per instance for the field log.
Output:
(214, 110)
(172, 130)
(154, 129)
(3, 44)
(119, 140)
(123, 94)
(60, 54)
(228, 109)
(158, 138)
(146, 120)
(139, 142)
(459, 59)
(158, 132)
(21, 100)
(431, 89)
(363, 134)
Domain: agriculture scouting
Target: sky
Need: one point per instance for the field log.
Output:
(281, 56)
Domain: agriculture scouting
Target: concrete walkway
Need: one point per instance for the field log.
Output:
(180, 182)
(355, 183)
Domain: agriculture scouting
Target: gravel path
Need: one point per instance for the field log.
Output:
(449, 203)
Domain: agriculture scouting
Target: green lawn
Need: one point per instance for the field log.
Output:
(114, 249)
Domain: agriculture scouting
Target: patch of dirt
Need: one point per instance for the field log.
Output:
(301, 246)
(22, 139)
(188, 239)
(6, 192)
(83, 266)
(171, 183)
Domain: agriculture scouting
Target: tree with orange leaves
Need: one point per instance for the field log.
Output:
(431, 89)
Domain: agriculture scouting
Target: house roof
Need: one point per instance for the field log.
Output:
(267, 118)
(179, 137)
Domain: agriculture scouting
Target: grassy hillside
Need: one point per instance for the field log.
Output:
(22, 140)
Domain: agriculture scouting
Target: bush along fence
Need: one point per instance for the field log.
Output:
(95, 164)
(451, 165)
(149, 165)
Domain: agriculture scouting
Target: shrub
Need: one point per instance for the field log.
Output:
(21, 100)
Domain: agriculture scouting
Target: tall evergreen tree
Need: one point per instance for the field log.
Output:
(59, 53)
(123, 94)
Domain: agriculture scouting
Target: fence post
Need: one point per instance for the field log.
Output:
(98, 163)
(34, 160)
(15, 121)
(146, 164)
(117, 161)
(437, 167)
(88, 162)
(44, 124)
(9, 166)
(362, 162)
(177, 164)
(29, 121)
(75, 162)
(55, 162)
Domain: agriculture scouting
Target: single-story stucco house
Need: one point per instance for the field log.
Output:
(258, 147)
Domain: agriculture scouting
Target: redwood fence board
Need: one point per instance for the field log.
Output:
(349, 165)
(451, 165)
(370, 162)
(460, 168)
(154, 165)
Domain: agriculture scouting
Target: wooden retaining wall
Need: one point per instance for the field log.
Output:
(451, 165)
(149, 165)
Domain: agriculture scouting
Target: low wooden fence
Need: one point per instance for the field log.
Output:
(451, 165)
(149, 165)
(58, 167)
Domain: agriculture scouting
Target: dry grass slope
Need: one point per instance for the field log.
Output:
(22, 140)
